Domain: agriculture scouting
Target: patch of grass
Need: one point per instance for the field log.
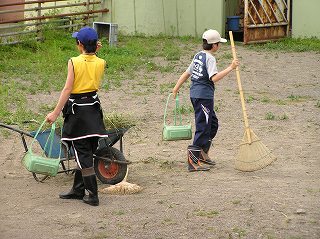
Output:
(46, 108)
(283, 117)
(210, 229)
(167, 87)
(149, 83)
(26, 69)
(144, 100)
(149, 160)
(171, 51)
(166, 164)
(185, 109)
(151, 66)
(208, 214)
(236, 201)
(143, 93)
(100, 235)
(118, 213)
(318, 104)
(168, 221)
(270, 116)
(136, 51)
(169, 68)
(293, 97)
(226, 55)
(313, 191)
(239, 231)
(314, 221)
(280, 102)
(270, 236)
(189, 39)
(265, 99)
(5, 133)
(250, 99)
(290, 45)
(218, 106)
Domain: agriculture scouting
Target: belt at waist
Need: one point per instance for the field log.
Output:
(83, 95)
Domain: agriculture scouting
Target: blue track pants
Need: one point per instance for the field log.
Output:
(206, 122)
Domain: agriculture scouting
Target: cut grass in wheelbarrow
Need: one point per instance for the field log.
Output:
(118, 122)
(115, 121)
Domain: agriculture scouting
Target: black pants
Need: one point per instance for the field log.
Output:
(84, 150)
(206, 122)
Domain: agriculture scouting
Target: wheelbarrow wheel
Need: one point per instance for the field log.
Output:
(110, 172)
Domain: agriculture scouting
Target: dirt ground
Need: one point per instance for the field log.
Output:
(279, 201)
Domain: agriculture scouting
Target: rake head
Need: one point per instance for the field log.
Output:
(253, 156)
(122, 188)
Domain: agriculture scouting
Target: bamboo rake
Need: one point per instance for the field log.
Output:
(253, 154)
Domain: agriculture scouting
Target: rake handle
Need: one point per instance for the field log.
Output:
(244, 111)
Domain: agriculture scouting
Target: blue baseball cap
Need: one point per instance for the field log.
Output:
(86, 34)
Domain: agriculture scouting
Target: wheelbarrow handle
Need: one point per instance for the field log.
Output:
(22, 134)
(16, 130)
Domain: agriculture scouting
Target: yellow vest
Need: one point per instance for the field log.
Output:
(88, 73)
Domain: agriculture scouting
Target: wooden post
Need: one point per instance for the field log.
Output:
(88, 9)
(39, 32)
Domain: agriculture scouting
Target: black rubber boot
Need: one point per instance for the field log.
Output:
(77, 190)
(90, 184)
(194, 153)
(204, 157)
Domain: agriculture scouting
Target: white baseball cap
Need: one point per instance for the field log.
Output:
(212, 36)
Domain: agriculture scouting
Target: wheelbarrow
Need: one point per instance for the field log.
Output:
(110, 164)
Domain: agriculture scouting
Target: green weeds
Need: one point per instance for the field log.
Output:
(290, 45)
(168, 221)
(236, 202)
(226, 56)
(272, 116)
(171, 51)
(208, 214)
(118, 213)
(265, 99)
(289, 99)
(167, 87)
(239, 231)
(283, 117)
(250, 99)
(281, 102)
(313, 191)
(185, 109)
(30, 68)
(294, 97)
(166, 164)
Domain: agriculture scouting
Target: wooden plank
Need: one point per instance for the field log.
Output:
(256, 29)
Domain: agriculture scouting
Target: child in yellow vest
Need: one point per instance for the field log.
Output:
(83, 120)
